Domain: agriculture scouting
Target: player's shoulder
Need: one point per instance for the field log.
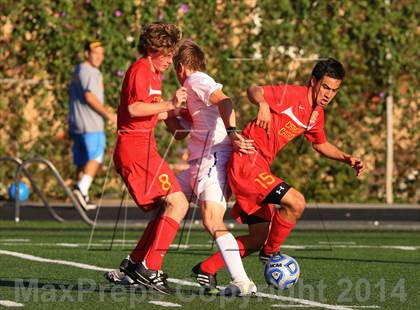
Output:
(199, 78)
(297, 90)
(140, 65)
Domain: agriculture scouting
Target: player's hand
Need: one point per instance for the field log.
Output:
(357, 164)
(179, 97)
(264, 116)
(239, 143)
(112, 118)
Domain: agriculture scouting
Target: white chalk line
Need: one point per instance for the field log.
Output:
(164, 303)
(177, 281)
(208, 246)
(306, 306)
(14, 240)
(10, 303)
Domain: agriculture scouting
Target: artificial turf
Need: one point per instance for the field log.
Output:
(339, 270)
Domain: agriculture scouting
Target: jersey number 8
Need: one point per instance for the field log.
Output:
(164, 180)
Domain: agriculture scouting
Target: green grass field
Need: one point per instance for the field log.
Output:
(340, 270)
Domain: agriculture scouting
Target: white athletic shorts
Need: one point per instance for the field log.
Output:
(206, 178)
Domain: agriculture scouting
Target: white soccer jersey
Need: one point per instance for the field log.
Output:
(208, 130)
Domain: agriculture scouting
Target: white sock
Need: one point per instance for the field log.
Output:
(230, 252)
(85, 183)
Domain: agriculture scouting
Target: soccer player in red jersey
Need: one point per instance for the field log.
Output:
(285, 112)
(147, 176)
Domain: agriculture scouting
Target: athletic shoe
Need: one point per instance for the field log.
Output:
(206, 280)
(154, 279)
(119, 278)
(240, 288)
(264, 258)
(83, 200)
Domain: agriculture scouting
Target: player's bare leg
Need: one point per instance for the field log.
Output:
(293, 204)
(212, 214)
(91, 168)
(176, 206)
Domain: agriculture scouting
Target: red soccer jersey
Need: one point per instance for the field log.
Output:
(146, 175)
(141, 83)
(291, 116)
(249, 176)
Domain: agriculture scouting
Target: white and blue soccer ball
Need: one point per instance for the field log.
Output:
(282, 271)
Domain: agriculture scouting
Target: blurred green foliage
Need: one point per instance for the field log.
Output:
(247, 42)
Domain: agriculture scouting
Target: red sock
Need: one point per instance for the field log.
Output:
(163, 235)
(280, 229)
(137, 255)
(215, 262)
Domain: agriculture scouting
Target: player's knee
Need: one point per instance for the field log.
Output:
(298, 205)
(176, 205)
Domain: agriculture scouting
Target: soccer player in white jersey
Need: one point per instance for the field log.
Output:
(212, 137)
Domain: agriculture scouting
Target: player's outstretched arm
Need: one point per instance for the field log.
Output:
(256, 96)
(138, 109)
(227, 113)
(332, 152)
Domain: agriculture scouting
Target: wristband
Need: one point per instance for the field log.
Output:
(230, 130)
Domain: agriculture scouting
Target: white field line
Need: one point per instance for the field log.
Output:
(208, 246)
(289, 306)
(52, 261)
(306, 306)
(9, 303)
(164, 303)
(305, 302)
(336, 242)
(177, 281)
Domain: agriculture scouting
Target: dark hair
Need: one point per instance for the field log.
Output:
(159, 37)
(191, 55)
(90, 45)
(329, 67)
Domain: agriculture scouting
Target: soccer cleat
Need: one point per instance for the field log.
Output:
(264, 258)
(206, 280)
(83, 200)
(154, 279)
(119, 278)
(240, 288)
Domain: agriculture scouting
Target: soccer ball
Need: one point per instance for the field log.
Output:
(23, 191)
(282, 271)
